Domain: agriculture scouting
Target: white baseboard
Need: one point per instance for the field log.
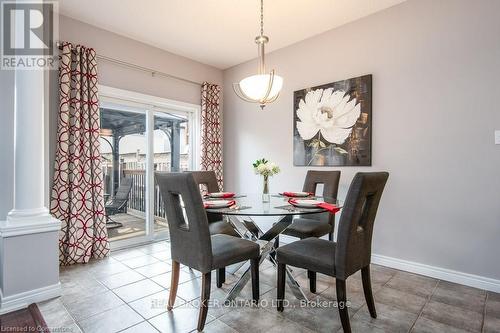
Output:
(467, 279)
(24, 299)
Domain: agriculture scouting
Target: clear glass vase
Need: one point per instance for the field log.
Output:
(265, 190)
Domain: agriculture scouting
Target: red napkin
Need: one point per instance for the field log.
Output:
(207, 204)
(293, 194)
(329, 207)
(325, 205)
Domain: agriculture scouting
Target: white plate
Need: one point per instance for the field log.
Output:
(306, 203)
(300, 194)
(219, 203)
(218, 194)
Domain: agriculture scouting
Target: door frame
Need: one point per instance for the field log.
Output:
(138, 102)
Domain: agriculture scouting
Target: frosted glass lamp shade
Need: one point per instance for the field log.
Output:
(255, 87)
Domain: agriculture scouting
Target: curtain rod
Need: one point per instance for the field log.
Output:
(151, 71)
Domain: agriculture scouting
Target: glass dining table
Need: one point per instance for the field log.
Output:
(253, 205)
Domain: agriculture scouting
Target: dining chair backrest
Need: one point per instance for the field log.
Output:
(330, 181)
(207, 179)
(354, 238)
(188, 226)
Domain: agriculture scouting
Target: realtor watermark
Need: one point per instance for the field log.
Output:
(35, 329)
(28, 35)
(161, 303)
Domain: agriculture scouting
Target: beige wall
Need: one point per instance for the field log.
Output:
(115, 46)
(436, 69)
(125, 49)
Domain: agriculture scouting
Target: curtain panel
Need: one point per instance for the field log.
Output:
(77, 192)
(211, 130)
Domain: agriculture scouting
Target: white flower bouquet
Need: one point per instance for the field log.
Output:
(266, 169)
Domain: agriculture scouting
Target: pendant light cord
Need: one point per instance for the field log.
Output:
(251, 92)
(261, 17)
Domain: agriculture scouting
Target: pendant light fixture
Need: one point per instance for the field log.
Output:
(261, 88)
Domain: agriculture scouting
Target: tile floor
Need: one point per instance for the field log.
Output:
(127, 292)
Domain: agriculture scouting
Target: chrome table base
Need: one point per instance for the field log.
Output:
(248, 229)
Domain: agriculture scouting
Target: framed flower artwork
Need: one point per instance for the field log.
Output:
(332, 124)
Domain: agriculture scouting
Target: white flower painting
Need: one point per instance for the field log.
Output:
(332, 124)
(333, 113)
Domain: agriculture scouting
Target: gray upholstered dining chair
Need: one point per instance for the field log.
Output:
(351, 252)
(216, 224)
(317, 225)
(191, 242)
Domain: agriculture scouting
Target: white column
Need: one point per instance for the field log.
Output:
(29, 252)
(29, 147)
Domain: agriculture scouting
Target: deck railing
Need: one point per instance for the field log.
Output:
(137, 198)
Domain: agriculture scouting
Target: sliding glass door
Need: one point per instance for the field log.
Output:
(137, 139)
(123, 162)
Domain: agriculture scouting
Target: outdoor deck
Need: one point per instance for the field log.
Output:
(133, 226)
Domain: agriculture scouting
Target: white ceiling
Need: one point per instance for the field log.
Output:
(219, 32)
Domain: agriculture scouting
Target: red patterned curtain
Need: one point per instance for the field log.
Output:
(211, 130)
(77, 192)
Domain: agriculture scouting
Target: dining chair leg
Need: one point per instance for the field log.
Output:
(276, 245)
(367, 288)
(254, 266)
(220, 276)
(312, 281)
(341, 303)
(174, 283)
(281, 286)
(205, 296)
